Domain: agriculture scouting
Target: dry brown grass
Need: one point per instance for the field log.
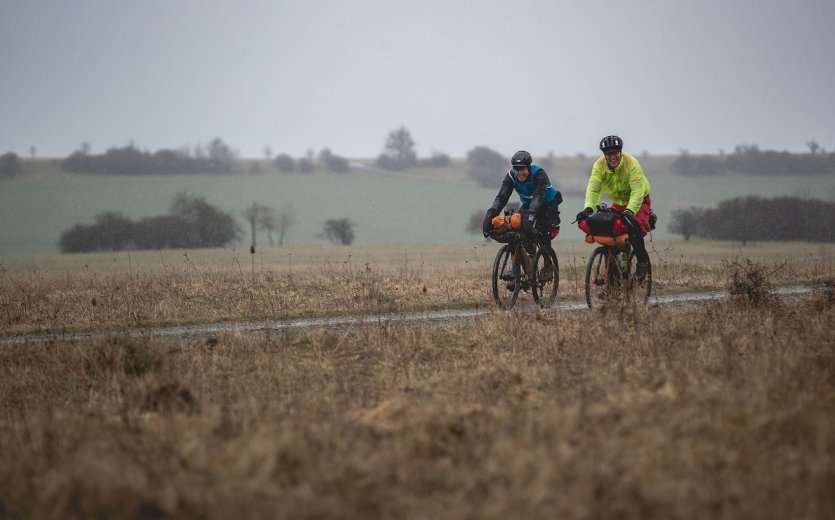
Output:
(725, 410)
(117, 291)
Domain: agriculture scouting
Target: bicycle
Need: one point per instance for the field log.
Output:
(521, 265)
(610, 271)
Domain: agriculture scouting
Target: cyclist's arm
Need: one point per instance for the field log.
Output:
(542, 182)
(594, 188)
(504, 194)
(638, 187)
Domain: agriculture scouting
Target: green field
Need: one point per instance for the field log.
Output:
(420, 207)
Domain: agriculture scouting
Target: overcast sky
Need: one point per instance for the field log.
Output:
(296, 75)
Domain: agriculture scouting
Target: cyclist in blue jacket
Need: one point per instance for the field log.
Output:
(540, 199)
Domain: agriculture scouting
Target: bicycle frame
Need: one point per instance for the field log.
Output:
(610, 275)
(515, 270)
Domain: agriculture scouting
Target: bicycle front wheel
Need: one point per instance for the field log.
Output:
(547, 277)
(507, 280)
(601, 277)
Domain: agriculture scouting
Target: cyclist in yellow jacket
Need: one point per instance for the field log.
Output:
(619, 175)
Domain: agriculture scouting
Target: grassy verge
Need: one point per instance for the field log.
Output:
(725, 410)
(116, 291)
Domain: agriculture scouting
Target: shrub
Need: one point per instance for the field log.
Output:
(754, 218)
(284, 163)
(217, 157)
(339, 231)
(192, 223)
(486, 166)
(10, 165)
(437, 160)
(750, 281)
(333, 162)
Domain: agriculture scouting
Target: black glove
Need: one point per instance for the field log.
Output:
(629, 217)
(487, 226)
(528, 220)
(583, 215)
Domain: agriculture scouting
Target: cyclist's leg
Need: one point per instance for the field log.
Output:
(636, 236)
(548, 217)
(636, 239)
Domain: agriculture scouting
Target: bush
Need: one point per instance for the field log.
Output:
(748, 158)
(10, 165)
(284, 163)
(694, 165)
(486, 166)
(437, 160)
(755, 218)
(339, 231)
(333, 162)
(750, 281)
(193, 223)
(305, 165)
(217, 157)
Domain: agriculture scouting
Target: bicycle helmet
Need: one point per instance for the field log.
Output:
(521, 158)
(611, 143)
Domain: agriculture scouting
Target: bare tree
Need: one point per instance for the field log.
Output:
(32, 151)
(813, 145)
(255, 214)
(267, 221)
(286, 220)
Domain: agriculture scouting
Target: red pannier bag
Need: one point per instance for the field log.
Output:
(605, 227)
(605, 223)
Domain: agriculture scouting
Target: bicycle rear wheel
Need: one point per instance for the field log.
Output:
(637, 292)
(547, 276)
(507, 278)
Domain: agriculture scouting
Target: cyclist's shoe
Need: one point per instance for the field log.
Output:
(641, 271)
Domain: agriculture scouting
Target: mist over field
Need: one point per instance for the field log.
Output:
(180, 78)
(420, 206)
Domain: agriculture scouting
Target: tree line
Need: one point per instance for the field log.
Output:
(190, 223)
(751, 160)
(753, 218)
(217, 157)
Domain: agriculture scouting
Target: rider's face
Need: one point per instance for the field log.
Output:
(522, 173)
(613, 158)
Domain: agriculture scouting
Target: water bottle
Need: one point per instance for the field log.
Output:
(622, 264)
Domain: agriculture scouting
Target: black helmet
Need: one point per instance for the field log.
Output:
(611, 143)
(521, 158)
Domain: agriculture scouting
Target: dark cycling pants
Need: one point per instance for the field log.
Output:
(547, 217)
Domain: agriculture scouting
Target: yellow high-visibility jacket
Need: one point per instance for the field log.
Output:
(626, 185)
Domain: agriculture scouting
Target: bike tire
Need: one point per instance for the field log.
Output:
(546, 282)
(638, 293)
(599, 279)
(506, 278)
